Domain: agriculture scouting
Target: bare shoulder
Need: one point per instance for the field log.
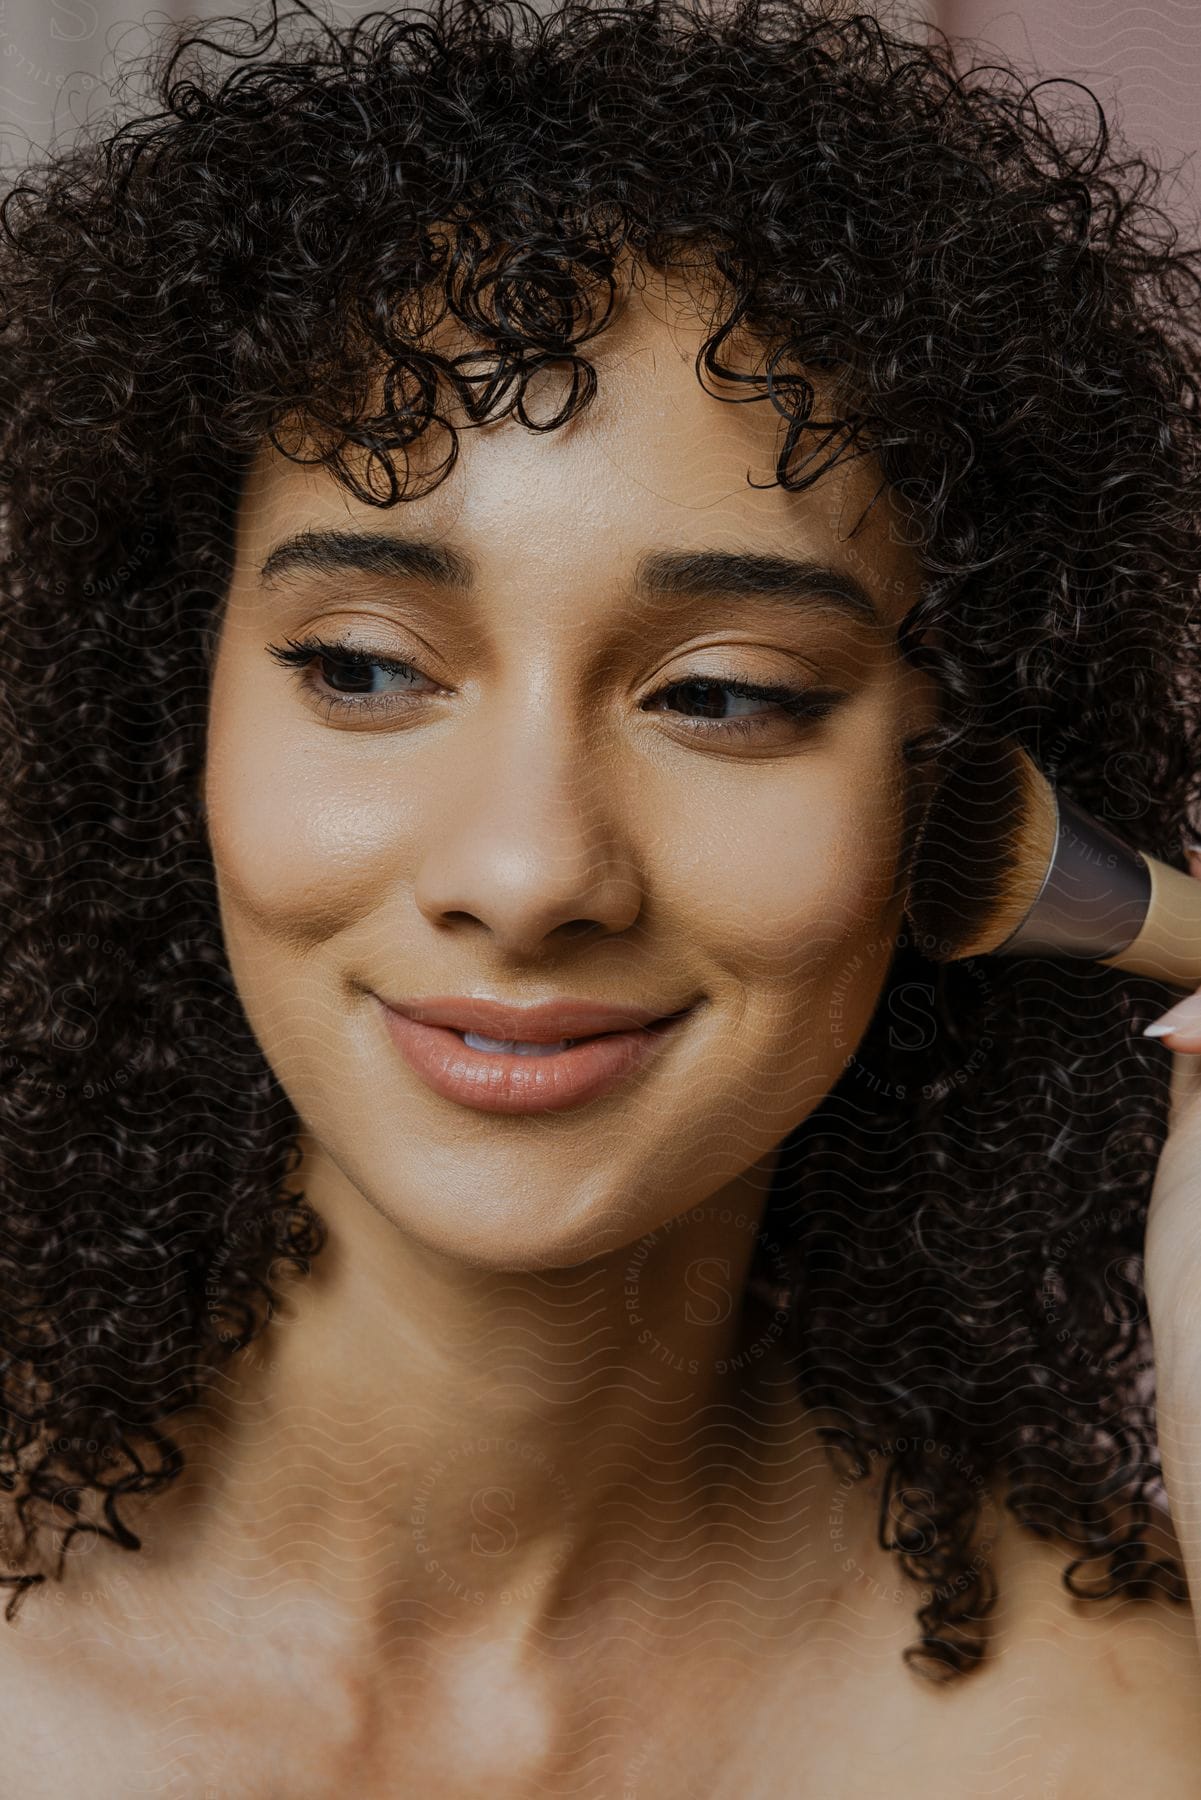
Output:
(1114, 1684)
(68, 1708)
(1075, 1700)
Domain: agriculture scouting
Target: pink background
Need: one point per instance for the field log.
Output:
(1146, 59)
(58, 58)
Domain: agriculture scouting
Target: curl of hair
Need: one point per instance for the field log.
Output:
(998, 310)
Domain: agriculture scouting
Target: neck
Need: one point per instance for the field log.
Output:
(415, 1438)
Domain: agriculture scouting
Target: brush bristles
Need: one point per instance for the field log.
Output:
(982, 852)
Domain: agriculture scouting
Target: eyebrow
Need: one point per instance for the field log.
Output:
(377, 552)
(692, 574)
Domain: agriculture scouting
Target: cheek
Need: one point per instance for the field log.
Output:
(304, 828)
(797, 877)
(802, 912)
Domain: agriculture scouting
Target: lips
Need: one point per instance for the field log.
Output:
(549, 1022)
(628, 1038)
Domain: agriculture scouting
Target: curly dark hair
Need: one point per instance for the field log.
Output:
(1008, 320)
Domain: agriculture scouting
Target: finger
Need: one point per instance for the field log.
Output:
(1181, 1024)
(1184, 1087)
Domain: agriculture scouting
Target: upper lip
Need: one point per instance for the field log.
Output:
(546, 1023)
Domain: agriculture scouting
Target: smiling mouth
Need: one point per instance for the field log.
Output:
(475, 1040)
(506, 1075)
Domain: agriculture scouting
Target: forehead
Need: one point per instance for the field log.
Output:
(654, 462)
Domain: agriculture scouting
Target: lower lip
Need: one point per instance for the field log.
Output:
(503, 1081)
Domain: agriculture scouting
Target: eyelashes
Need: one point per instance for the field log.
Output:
(795, 706)
(357, 669)
(353, 665)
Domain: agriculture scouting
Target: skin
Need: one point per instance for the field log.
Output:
(1172, 1276)
(515, 1494)
(535, 830)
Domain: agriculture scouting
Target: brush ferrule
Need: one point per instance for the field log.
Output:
(1094, 897)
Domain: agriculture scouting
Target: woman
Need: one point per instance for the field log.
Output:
(503, 516)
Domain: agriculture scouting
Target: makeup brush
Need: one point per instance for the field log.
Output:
(1004, 865)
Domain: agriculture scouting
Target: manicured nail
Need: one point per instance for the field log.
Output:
(1184, 1018)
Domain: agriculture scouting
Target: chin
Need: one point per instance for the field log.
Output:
(453, 1206)
(529, 1234)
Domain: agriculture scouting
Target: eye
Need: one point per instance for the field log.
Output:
(733, 708)
(345, 679)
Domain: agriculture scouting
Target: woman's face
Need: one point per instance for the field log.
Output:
(556, 798)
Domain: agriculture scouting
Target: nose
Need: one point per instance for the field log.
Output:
(529, 839)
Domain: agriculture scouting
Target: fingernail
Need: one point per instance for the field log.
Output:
(1184, 1017)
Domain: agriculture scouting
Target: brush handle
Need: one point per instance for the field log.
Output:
(1096, 892)
(1168, 947)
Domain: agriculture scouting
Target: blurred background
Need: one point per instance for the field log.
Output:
(61, 62)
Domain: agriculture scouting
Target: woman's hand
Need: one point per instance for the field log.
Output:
(1173, 1282)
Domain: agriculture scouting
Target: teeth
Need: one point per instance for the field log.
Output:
(476, 1042)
